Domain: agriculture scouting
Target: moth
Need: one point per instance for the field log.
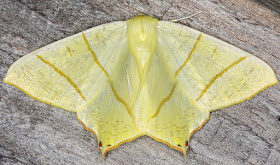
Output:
(140, 77)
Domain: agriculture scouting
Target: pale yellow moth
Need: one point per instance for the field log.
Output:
(140, 77)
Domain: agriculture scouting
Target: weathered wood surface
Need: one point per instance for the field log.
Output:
(32, 132)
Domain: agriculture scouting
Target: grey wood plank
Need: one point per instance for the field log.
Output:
(32, 132)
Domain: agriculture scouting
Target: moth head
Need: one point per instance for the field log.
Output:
(142, 36)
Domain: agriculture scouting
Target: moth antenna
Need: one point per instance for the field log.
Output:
(176, 20)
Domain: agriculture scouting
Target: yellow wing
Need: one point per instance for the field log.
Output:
(198, 74)
(90, 73)
(214, 73)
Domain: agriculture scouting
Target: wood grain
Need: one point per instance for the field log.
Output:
(32, 132)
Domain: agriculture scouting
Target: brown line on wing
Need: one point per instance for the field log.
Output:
(164, 101)
(94, 56)
(69, 52)
(63, 75)
(189, 56)
(219, 75)
(176, 73)
(106, 73)
(214, 52)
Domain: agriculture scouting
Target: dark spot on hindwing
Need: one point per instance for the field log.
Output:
(100, 144)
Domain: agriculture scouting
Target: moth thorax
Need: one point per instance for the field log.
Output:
(142, 37)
